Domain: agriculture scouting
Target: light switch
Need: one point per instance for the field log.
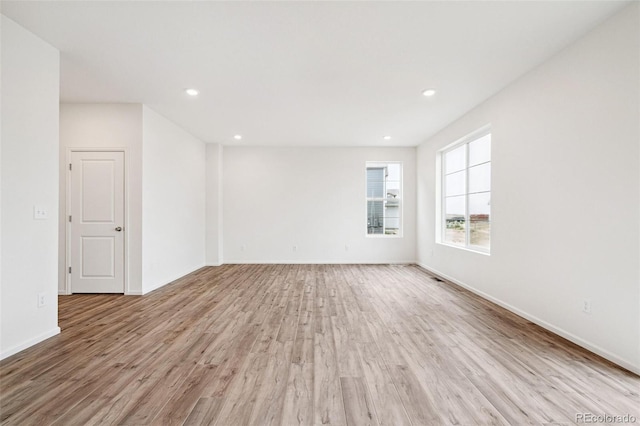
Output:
(39, 212)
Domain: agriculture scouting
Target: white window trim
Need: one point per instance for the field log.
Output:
(440, 195)
(367, 164)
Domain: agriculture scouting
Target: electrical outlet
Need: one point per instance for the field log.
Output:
(41, 300)
(295, 248)
(242, 248)
(586, 306)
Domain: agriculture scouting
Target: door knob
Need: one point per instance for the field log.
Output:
(118, 229)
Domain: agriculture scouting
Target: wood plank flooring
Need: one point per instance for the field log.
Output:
(305, 345)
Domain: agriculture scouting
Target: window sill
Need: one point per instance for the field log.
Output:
(382, 236)
(470, 249)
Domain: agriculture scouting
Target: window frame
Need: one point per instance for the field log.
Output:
(442, 195)
(374, 163)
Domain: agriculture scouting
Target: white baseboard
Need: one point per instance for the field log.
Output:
(29, 343)
(542, 323)
(318, 262)
(214, 264)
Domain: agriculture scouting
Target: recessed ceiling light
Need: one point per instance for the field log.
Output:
(387, 138)
(429, 92)
(237, 137)
(191, 92)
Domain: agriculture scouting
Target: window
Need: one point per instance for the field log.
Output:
(384, 199)
(466, 192)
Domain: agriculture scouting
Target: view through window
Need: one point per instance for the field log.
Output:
(466, 189)
(384, 192)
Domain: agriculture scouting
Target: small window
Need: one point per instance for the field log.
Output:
(466, 192)
(384, 199)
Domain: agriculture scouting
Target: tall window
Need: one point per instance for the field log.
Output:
(384, 198)
(466, 192)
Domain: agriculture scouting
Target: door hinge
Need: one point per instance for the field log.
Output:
(69, 218)
(69, 166)
(69, 269)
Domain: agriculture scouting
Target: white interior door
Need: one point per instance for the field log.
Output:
(97, 222)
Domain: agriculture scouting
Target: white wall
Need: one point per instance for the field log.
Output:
(106, 126)
(29, 172)
(214, 204)
(312, 198)
(566, 194)
(173, 201)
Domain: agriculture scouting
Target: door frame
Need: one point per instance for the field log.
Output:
(67, 262)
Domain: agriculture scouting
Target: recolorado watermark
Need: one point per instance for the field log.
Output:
(605, 418)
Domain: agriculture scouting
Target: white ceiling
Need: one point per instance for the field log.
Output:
(303, 73)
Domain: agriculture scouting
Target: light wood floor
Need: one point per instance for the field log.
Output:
(305, 344)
